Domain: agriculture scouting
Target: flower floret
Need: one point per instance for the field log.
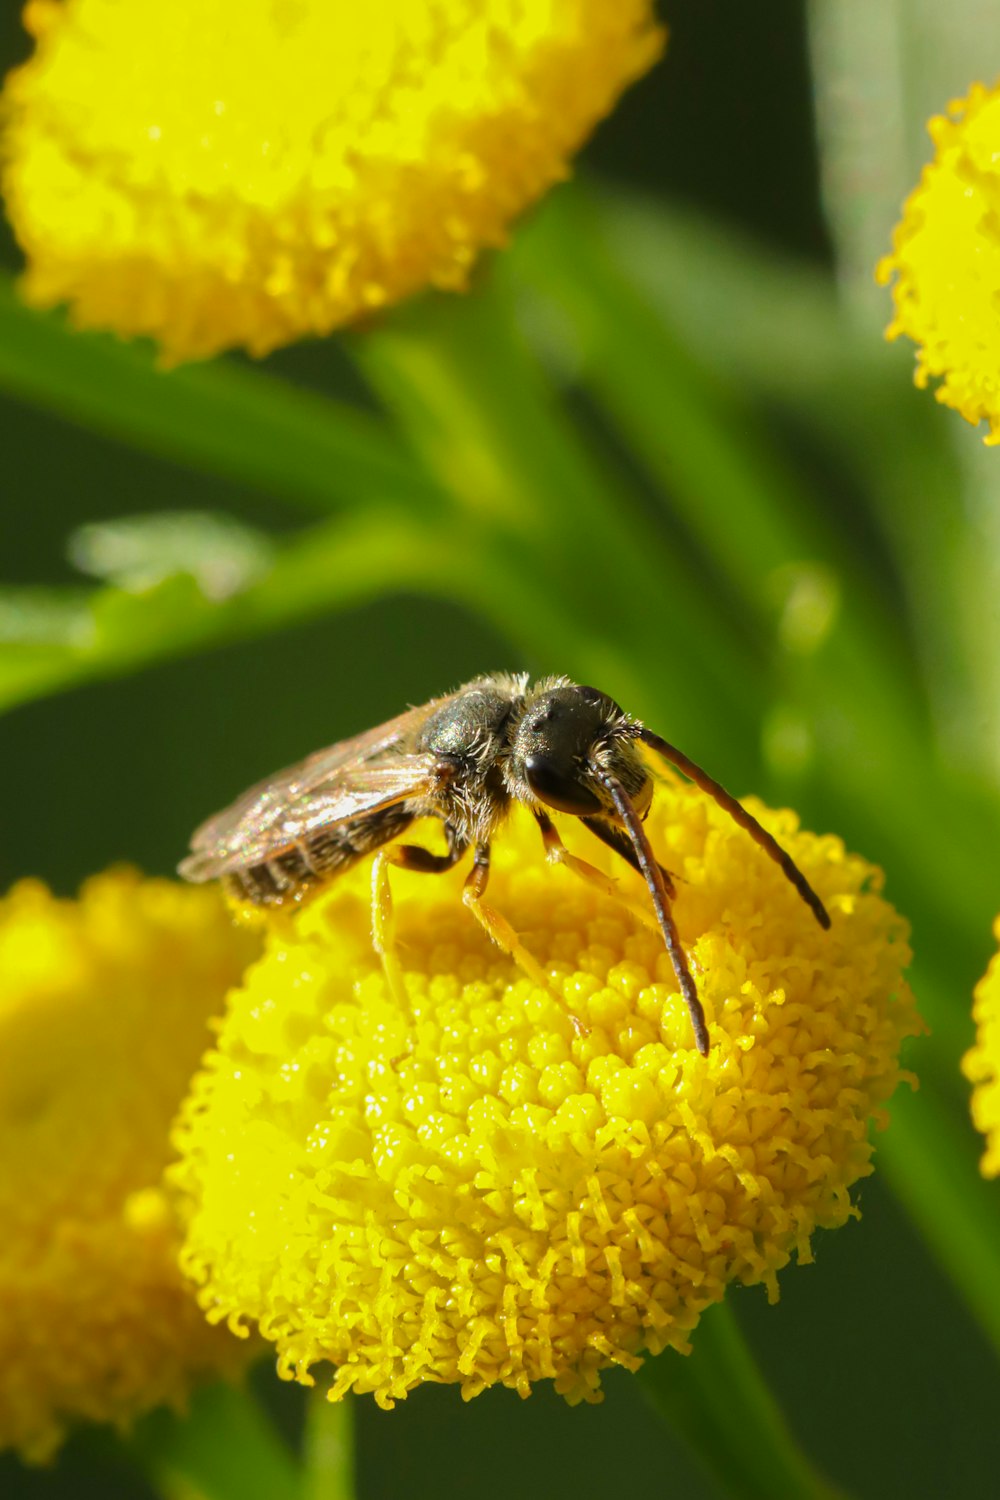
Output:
(981, 1064)
(215, 174)
(104, 1005)
(473, 1190)
(945, 261)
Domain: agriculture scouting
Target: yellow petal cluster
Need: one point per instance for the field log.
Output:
(945, 261)
(104, 1005)
(472, 1191)
(244, 172)
(981, 1064)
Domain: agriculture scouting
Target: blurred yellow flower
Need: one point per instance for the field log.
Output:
(981, 1064)
(946, 261)
(216, 174)
(473, 1192)
(104, 1004)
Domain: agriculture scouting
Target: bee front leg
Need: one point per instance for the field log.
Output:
(409, 857)
(499, 929)
(557, 854)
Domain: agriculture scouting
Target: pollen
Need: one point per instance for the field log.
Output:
(945, 262)
(104, 1010)
(981, 1064)
(218, 174)
(500, 1183)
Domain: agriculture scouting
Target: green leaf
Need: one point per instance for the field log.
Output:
(717, 1400)
(135, 553)
(224, 418)
(49, 642)
(603, 591)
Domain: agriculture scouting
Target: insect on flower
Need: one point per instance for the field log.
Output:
(465, 759)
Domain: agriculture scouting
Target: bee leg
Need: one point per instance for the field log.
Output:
(499, 929)
(557, 854)
(409, 857)
(616, 840)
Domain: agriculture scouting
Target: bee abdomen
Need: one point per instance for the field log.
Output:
(287, 875)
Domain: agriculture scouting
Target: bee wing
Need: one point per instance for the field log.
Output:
(282, 812)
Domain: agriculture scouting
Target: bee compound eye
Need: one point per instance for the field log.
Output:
(558, 787)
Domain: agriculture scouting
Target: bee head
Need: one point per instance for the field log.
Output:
(564, 732)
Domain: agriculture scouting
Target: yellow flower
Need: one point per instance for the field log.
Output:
(471, 1191)
(981, 1064)
(104, 1004)
(946, 261)
(215, 173)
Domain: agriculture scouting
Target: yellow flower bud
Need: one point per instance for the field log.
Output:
(473, 1190)
(104, 1010)
(214, 173)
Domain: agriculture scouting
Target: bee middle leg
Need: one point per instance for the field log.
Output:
(496, 926)
(407, 857)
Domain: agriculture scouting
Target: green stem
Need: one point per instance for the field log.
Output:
(718, 1400)
(224, 1448)
(329, 1449)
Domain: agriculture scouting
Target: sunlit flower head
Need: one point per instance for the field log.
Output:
(104, 1005)
(473, 1190)
(945, 261)
(215, 173)
(981, 1064)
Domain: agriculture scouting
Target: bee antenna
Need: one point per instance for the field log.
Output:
(739, 815)
(653, 876)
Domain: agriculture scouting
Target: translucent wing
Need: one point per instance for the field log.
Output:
(346, 781)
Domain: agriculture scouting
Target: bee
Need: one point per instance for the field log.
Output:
(465, 759)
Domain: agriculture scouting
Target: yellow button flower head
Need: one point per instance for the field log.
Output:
(981, 1064)
(946, 261)
(472, 1191)
(243, 172)
(104, 1004)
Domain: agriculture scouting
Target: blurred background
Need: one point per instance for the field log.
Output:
(813, 617)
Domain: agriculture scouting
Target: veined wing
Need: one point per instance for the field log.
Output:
(269, 800)
(289, 809)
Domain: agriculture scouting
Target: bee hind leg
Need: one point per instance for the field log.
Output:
(408, 857)
(496, 926)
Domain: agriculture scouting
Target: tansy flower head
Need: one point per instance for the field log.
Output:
(946, 261)
(473, 1190)
(981, 1064)
(104, 1004)
(215, 173)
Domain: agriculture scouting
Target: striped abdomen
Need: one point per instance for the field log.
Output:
(288, 875)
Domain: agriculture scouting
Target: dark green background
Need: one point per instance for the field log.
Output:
(124, 770)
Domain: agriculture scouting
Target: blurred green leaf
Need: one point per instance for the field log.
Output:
(221, 554)
(932, 1159)
(40, 617)
(50, 641)
(571, 529)
(719, 1402)
(224, 418)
